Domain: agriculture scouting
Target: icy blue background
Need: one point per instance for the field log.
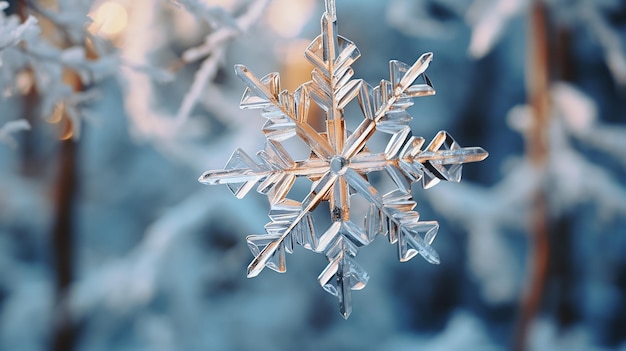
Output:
(160, 260)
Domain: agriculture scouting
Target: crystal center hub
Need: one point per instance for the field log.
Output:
(338, 165)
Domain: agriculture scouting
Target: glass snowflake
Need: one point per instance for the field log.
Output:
(340, 162)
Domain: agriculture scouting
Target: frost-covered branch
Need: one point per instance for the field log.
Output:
(151, 123)
(214, 45)
(414, 18)
(131, 281)
(572, 180)
(489, 20)
(46, 62)
(10, 128)
(12, 32)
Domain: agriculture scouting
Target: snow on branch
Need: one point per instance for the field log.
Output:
(580, 117)
(12, 32)
(215, 16)
(570, 179)
(214, 46)
(490, 19)
(11, 128)
(45, 62)
(171, 134)
(609, 39)
(414, 18)
(132, 280)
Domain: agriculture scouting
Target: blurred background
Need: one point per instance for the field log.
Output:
(111, 109)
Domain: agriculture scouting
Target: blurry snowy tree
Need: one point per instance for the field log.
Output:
(490, 19)
(12, 32)
(48, 66)
(572, 155)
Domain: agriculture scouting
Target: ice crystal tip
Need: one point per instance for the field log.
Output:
(203, 178)
(253, 271)
(239, 68)
(339, 163)
(483, 154)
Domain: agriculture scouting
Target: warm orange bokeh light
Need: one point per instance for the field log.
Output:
(109, 19)
(288, 17)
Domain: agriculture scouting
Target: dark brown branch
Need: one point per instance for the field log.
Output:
(63, 332)
(63, 231)
(538, 84)
(63, 242)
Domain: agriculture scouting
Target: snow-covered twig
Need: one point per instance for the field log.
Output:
(10, 128)
(168, 133)
(12, 32)
(571, 178)
(214, 46)
(413, 17)
(131, 281)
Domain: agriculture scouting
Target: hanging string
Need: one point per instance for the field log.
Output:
(331, 9)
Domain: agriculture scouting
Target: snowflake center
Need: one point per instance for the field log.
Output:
(338, 165)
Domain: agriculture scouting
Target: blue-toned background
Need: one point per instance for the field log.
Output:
(108, 242)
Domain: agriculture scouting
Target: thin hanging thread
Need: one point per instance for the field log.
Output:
(331, 9)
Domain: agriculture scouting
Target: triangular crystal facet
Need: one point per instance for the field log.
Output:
(398, 69)
(416, 238)
(257, 243)
(239, 160)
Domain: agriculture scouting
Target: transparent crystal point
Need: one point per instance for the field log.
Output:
(341, 276)
(277, 261)
(450, 157)
(344, 296)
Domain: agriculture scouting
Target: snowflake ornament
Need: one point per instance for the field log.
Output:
(339, 163)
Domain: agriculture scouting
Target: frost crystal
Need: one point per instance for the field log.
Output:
(339, 163)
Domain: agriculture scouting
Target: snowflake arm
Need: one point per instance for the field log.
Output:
(280, 105)
(384, 107)
(320, 188)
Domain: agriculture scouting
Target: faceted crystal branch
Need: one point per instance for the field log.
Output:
(312, 200)
(342, 275)
(265, 94)
(386, 97)
(331, 9)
